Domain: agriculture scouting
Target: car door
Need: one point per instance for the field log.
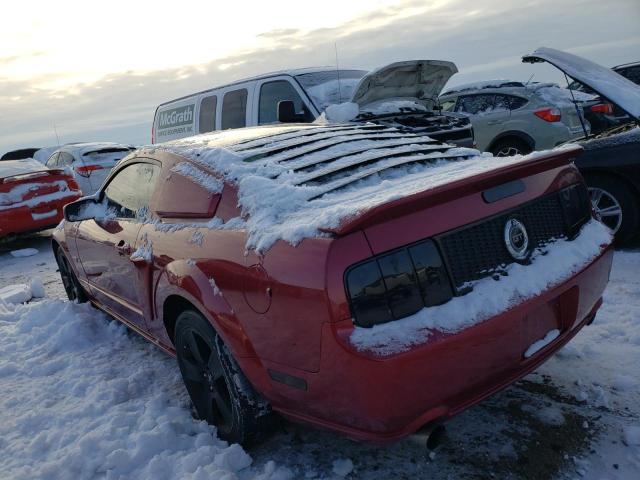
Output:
(487, 117)
(105, 245)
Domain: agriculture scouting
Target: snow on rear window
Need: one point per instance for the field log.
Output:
(291, 196)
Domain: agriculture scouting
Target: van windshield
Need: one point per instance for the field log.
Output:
(330, 87)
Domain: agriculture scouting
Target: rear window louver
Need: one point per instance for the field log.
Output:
(330, 159)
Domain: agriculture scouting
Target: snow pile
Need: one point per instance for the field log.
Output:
(342, 467)
(81, 399)
(278, 203)
(9, 168)
(341, 112)
(22, 292)
(24, 252)
(563, 259)
(144, 251)
(543, 342)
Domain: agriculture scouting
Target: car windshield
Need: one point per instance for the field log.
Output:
(330, 87)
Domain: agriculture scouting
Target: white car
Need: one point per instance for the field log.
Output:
(90, 163)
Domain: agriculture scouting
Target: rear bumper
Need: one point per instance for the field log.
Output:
(25, 219)
(382, 399)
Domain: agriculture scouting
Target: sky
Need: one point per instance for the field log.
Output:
(84, 71)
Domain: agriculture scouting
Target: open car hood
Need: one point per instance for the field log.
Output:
(420, 79)
(609, 84)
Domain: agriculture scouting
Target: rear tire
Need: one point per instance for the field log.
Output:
(218, 389)
(615, 205)
(72, 286)
(509, 147)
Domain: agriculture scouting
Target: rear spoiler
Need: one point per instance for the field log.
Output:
(20, 176)
(450, 191)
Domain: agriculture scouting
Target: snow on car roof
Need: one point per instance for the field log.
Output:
(499, 83)
(10, 168)
(297, 182)
(88, 147)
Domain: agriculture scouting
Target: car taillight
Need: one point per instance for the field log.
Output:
(606, 108)
(85, 171)
(397, 284)
(549, 114)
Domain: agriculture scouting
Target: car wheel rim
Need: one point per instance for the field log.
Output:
(67, 279)
(606, 208)
(204, 379)
(508, 152)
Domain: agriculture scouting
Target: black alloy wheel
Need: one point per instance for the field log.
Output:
(217, 387)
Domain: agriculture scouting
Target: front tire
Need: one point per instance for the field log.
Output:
(218, 389)
(615, 205)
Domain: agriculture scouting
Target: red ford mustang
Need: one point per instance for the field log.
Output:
(358, 278)
(32, 196)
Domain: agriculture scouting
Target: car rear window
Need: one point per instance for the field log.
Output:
(234, 109)
(207, 116)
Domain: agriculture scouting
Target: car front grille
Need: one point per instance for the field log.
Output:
(478, 250)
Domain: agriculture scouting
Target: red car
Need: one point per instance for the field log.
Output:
(357, 278)
(32, 196)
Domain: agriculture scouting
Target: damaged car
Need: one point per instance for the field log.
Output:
(402, 94)
(610, 163)
(359, 278)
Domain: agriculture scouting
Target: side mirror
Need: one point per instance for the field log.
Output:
(287, 112)
(84, 209)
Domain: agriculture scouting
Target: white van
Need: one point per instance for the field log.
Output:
(403, 94)
(254, 101)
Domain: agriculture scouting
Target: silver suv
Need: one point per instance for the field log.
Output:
(510, 117)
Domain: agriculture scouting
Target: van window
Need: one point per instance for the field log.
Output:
(234, 109)
(273, 92)
(207, 117)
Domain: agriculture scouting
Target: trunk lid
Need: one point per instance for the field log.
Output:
(29, 187)
(413, 79)
(614, 87)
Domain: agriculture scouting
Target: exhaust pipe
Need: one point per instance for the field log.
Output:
(431, 436)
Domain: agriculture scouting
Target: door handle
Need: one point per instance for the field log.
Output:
(494, 122)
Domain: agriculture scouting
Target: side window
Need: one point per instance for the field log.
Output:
(273, 92)
(207, 117)
(517, 102)
(53, 160)
(475, 104)
(447, 105)
(501, 102)
(65, 159)
(234, 109)
(131, 189)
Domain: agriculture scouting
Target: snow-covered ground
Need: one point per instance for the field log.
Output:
(82, 397)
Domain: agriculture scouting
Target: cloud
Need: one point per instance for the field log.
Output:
(485, 42)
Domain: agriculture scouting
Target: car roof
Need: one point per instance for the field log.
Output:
(483, 85)
(291, 72)
(83, 148)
